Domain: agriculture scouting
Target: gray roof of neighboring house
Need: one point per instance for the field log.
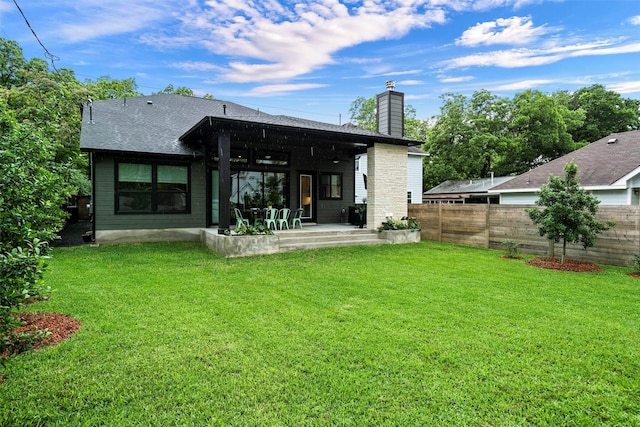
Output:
(601, 163)
(417, 151)
(467, 186)
(155, 123)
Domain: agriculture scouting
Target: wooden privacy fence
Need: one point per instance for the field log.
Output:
(489, 225)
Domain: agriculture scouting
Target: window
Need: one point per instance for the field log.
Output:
(268, 157)
(409, 197)
(254, 189)
(152, 188)
(330, 186)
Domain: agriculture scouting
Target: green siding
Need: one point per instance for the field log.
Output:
(104, 203)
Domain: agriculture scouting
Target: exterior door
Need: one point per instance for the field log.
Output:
(215, 197)
(306, 200)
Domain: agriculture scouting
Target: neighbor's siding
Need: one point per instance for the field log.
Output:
(606, 197)
(414, 177)
(489, 225)
(104, 203)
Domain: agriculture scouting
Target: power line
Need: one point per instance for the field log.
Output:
(47, 54)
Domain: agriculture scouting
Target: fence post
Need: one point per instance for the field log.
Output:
(487, 226)
(440, 221)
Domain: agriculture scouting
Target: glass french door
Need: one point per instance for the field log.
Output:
(306, 195)
(215, 197)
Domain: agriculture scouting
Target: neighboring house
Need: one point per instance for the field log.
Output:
(608, 168)
(171, 163)
(465, 191)
(414, 176)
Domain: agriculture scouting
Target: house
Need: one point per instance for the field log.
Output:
(608, 168)
(414, 175)
(171, 165)
(465, 191)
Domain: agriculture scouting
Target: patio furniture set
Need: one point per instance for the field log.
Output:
(272, 218)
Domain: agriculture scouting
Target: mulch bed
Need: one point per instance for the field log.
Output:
(569, 265)
(60, 327)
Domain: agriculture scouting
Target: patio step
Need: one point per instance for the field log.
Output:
(292, 240)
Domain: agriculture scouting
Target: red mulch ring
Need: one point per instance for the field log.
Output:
(569, 265)
(60, 327)
(634, 274)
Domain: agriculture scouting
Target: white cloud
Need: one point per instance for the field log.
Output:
(482, 5)
(195, 66)
(635, 20)
(625, 87)
(411, 82)
(516, 58)
(6, 6)
(95, 18)
(522, 85)
(516, 30)
(274, 43)
(460, 79)
(268, 90)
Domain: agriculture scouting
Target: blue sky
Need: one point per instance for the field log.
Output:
(313, 58)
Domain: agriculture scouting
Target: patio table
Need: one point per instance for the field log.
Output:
(257, 214)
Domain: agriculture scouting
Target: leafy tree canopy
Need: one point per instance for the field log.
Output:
(606, 112)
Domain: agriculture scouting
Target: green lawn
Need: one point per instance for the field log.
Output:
(427, 334)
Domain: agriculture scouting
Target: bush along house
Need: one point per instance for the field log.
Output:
(163, 167)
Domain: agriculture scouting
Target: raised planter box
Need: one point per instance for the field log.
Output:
(237, 246)
(400, 236)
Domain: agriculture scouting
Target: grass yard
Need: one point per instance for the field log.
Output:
(427, 334)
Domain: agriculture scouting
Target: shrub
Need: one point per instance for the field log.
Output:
(635, 262)
(21, 271)
(32, 193)
(511, 247)
(250, 230)
(404, 223)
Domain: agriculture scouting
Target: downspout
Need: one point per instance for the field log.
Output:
(92, 208)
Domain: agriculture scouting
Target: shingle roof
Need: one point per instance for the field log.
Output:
(417, 151)
(154, 124)
(601, 163)
(466, 186)
(150, 124)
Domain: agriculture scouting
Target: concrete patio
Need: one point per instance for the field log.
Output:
(311, 236)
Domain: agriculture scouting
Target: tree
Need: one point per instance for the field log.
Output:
(569, 211)
(448, 143)
(107, 88)
(180, 90)
(605, 112)
(363, 113)
(541, 131)
(490, 139)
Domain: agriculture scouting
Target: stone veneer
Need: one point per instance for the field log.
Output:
(386, 183)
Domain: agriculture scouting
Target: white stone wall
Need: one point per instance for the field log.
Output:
(386, 183)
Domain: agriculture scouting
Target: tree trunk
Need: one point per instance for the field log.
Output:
(564, 249)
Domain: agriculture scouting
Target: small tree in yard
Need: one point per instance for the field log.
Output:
(569, 211)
